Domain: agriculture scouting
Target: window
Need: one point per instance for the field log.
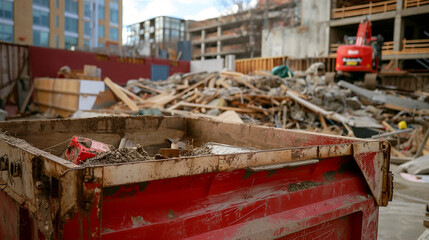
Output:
(40, 18)
(6, 32)
(71, 6)
(174, 35)
(86, 43)
(167, 34)
(100, 45)
(101, 31)
(58, 3)
(101, 12)
(6, 10)
(42, 3)
(159, 36)
(114, 15)
(182, 26)
(167, 22)
(71, 24)
(87, 8)
(87, 28)
(57, 21)
(113, 34)
(57, 41)
(40, 38)
(70, 42)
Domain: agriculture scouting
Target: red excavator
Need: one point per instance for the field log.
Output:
(360, 59)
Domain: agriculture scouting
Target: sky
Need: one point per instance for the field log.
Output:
(135, 11)
(139, 10)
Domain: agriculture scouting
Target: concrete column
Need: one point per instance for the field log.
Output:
(327, 28)
(203, 46)
(219, 43)
(398, 29)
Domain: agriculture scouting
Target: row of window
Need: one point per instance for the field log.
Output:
(71, 6)
(113, 33)
(6, 10)
(41, 39)
(41, 21)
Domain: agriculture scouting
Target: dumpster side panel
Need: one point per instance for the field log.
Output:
(323, 197)
(9, 221)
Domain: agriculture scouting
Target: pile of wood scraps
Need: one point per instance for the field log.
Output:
(305, 101)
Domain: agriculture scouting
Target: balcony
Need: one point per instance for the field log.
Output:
(413, 46)
(365, 9)
(415, 3)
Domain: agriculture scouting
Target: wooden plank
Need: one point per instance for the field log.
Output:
(183, 104)
(322, 120)
(388, 127)
(27, 99)
(121, 95)
(149, 88)
(49, 93)
(129, 93)
(202, 82)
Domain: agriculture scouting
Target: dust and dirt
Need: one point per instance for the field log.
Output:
(13, 140)
(293, 187)
(136, 154)
(199, 151)
(122, 155)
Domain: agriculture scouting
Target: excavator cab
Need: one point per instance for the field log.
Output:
(360, 58)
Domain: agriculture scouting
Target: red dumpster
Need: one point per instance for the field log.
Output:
(295, 185)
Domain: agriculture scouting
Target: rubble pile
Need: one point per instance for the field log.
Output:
(305, 101)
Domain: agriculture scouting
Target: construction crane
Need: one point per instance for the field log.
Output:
(360, 58)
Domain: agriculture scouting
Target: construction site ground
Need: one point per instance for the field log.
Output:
(403, 217)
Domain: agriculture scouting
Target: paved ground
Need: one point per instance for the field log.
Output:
(403, 217)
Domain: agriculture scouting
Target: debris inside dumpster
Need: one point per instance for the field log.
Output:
(80, 149)
(303, 100)
(121, 155)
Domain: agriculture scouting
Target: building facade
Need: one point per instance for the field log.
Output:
(240, 34)
(160, 32)
(402, 23)
(68, 24)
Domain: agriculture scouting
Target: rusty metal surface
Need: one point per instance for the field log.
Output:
(65, 191)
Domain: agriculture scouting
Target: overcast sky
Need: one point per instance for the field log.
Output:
(135, 11)
(139, 10)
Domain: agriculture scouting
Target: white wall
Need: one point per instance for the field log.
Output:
(209, 65)
(309, 40)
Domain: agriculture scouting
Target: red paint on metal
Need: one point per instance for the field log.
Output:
(324, 197)
(8, 218)
(81, 148)
(45, 62)
(86, 225)
(328, 199)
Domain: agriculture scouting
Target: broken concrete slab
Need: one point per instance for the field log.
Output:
(380, 98)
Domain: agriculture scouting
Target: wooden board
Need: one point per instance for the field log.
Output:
(60, 95)
(121, 95)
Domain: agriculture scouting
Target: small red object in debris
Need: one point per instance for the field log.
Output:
(81, 148)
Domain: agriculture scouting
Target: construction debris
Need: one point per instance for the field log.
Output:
(302, 100)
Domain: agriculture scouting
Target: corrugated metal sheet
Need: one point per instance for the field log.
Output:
(159, 72)
(13, 63)
(186, 49)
